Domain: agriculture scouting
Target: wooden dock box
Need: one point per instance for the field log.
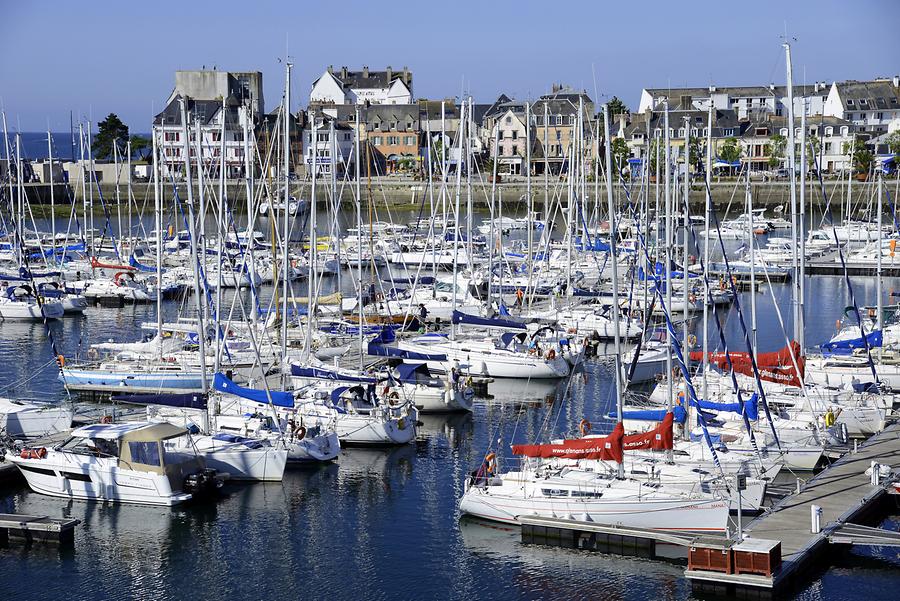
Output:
(757, 556)
(711, 555)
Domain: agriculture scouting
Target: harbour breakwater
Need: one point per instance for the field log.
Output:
(407, 193)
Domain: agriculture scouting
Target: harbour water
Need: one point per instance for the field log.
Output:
(377, 524)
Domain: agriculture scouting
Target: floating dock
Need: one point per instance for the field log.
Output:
(778, 548)
(31, 528)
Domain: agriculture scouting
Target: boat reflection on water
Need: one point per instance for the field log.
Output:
(539, 570)
(456, 428)
(516, 390)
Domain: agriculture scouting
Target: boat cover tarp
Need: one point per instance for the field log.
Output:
(408, 371)
(425, 280)
(750, 407)
(379, 350)
(607, 448)
(328, 374)
(182, 400)
(875, 340)
(776, 366)
(654, 415)
(140, 266)
(474, 320)
(279, 398)
(660, 438)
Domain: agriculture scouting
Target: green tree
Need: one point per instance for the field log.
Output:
(893, 142)
(141, 146)
(620, 153)
(616, 107)
(111, 130)
(861, 156)
(730, 151)
(775, 149)
(813, 148)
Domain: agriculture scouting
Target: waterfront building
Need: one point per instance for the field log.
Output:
(318, 144)
(555, 119)
(872, 106)
(360, 87)
(392, 137)
(511, 136)
(748, 102)
(211, 97)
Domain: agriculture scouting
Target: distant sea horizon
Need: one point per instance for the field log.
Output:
(34, 145)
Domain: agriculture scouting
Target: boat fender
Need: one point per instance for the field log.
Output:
(692, 340)
(61, 360)
(106, 419)
(33, 453)
(585, 427)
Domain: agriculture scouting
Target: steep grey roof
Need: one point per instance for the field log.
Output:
(385, 114)
(722, 120)
(205, 110)
(368, 79)
(878, 94)
(431, 109)
(735, 91)
(496, 107)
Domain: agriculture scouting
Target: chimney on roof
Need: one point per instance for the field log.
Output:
(330, 68)
(406, 76)
(686, 101)
(365, 70)
(712, 89)
(343, 72)
(389, 72)
(772, 87)
(896, 81)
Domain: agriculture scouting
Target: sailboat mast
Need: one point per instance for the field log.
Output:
(801, 233)
(462, 135)
(878, 325)
(157, 214)
(359, 245)
(706, 217)
(52, 197)
(792, 172)
(748, 199)
(251, 215)
(613, 234)
(685, 228)
(668, 253)
(222, 229)
(201, 329)
(285, 263)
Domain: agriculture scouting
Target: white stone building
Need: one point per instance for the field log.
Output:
(359, 87)
(872, 106)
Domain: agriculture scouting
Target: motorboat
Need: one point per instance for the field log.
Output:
(131, 462)
(30, 419)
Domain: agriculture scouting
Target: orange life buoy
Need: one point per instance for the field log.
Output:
(62, 360)
(584, 427)
(490, 461)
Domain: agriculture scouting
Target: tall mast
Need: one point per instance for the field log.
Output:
(685, 225)
(668, 250)
(201, 328)
(878, 283)
(462, 135)
(359, 245)
(157, 213)
(220, 245)
(529, 222)
(546, 166)
(795, 294)
(706, 218)
(285, 263)
(748, 199)
(251, 215)
(801, 233)
(610, 205)
(201, 208)
(52, 197)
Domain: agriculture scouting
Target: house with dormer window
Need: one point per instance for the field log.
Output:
(359, 87)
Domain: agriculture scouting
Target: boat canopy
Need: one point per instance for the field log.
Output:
(138, 431)
(278, 398)
(380, 350)
(874, 339)
(329, 374)
(776, 366)
(473, 320)
(184, 400)
(408, 372)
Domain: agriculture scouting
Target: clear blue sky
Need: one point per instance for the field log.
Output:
(98, 56)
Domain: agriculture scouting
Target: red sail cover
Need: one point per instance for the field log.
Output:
(773, 367)
(659, 438)
(608, 448)
(98, 265)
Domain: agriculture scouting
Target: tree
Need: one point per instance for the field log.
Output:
(775, 150)
(813, 146)
(111, 130)
(893, 142)
(860, 155)
(616, 107)
(140, 144)
(620, 153)
(730, 150)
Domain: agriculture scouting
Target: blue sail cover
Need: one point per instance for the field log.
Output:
(594, 245)
(379, 350)
(139, 266)
(653, 415)
(327, 374)
(424, 280)
(279, 399)
(875, 339)
(473, 320)
(182, 400)
(751, 407)
(408, 371)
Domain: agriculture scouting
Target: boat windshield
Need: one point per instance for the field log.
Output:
(94, 447)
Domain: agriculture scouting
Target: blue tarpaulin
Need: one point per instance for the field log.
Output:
(875, 339)
(379, 350)
(328, 374)
(279, 399)
(473, 320)
(184, 400)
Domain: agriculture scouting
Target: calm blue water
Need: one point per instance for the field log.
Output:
(375, 525)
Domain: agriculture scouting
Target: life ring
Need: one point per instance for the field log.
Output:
(300, 432)
(490, 462)
(106, 419)
(584, 426)
(692, 340)
(393, 397)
